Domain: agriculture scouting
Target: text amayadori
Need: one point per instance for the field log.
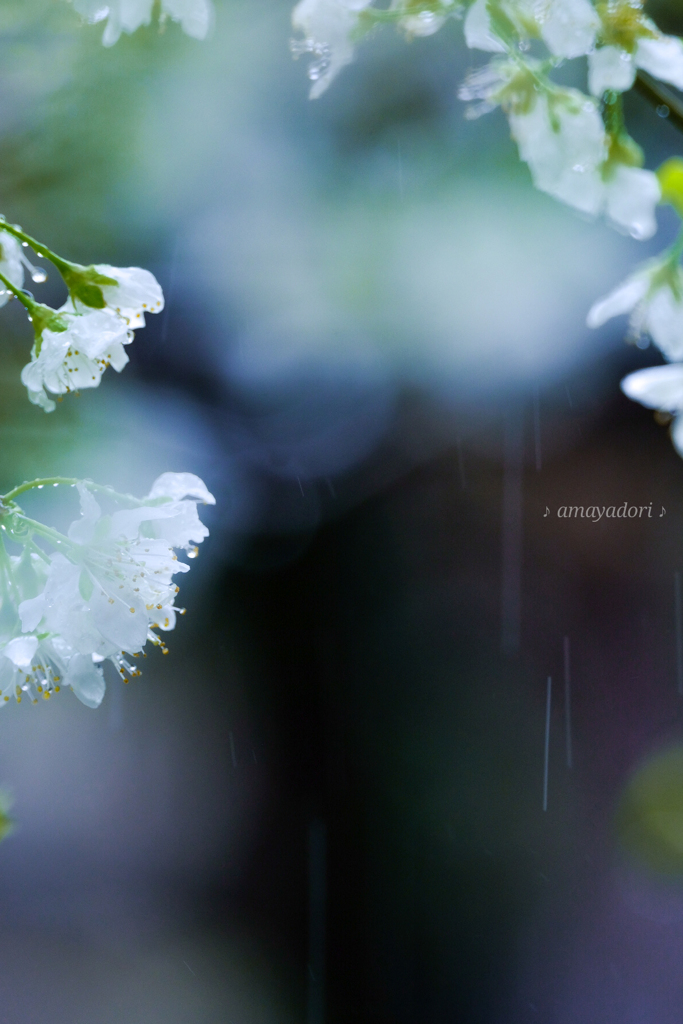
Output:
(596, 512)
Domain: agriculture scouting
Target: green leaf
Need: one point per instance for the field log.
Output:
(85, 284)
(670, 176)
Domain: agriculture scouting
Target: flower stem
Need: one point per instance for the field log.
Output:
(18, 293)
(57, 539)
(38, 247)
(43, 482)
(614, 114)
(69, 481)
(6, 569)
(676, 250)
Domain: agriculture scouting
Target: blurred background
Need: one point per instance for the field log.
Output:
(327, 803)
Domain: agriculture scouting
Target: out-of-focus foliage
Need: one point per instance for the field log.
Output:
(650, 813)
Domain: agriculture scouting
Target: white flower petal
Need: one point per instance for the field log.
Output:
(66, 612)
(93, 10)
(569, 27)
(610, 68)
(184, 530)
(112, 30)
(126, 523)
(82, 529)
(181, 485)
(564, 153)
(20, 651)
(137, 292)
(632, 196)
(123, 624)
(86, 680)
(677, 434)
(657, 387)
(167, 618)
(478, 33)
(122, 15)
(327, 26)
(31, 612)
(195, 16)
(664, 321)
(662, 58)
(622, 300)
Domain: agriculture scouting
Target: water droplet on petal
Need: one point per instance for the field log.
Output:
(38, 276)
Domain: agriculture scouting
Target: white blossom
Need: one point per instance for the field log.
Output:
(660, 387)
(561, 136)
(12, 264)
(562, 139)
(611, 67)
(136, 293)
(75, 358)
(631, 195)
(106, 592)
(328, 27)
(31, 667)
(128, 15)
(654, 299)
(567, 27)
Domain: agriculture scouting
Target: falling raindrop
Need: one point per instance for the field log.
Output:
(537, 430)
(548, 700)
(678, 611)
(568, 703)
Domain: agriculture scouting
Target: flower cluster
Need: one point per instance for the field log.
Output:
(653, 299)
(195, 16)
(574, 143)
(102, 592)
(74, 344)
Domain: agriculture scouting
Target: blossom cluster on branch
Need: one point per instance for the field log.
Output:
(69, 602)
(73, 345)
(575, 144)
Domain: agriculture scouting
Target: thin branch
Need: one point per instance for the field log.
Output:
(660, 95)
